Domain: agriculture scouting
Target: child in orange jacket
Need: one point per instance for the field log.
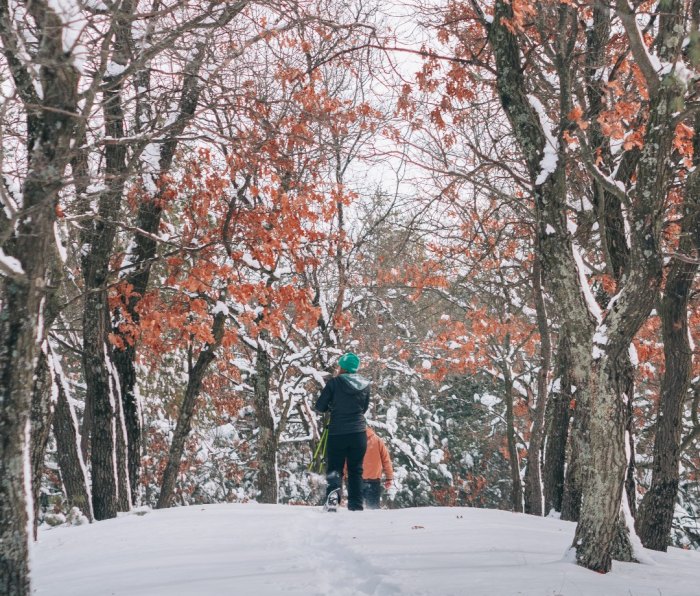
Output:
(376, 460)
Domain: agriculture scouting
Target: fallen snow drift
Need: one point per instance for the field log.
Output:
(270, 550)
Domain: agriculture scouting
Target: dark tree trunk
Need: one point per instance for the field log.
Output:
(124, 360)
(603, 472)
(70, 460)
(41, 415)
(110, 487)
(266, 437)
(184, 420)
(656, 511)
(627, 374)
(49, 126)
(18, 325)
(557, 435)
(573, 485)
(43, 393)
(555, 249)
(573, 481)
(533, 473)
(124, 491)
(102, 445)
(516, 495)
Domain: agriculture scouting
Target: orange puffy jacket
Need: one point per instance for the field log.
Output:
(376, 459)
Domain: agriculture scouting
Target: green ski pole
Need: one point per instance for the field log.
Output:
(320, 452)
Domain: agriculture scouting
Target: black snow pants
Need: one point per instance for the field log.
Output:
(348, 449)
(372, 492)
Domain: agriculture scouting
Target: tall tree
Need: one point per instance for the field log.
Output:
(658, 505)
(47, 84)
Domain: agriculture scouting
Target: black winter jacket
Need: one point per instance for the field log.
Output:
(347, 398)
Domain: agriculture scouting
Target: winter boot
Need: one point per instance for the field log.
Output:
(332, 501)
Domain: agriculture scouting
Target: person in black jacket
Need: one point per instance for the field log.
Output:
(346, 396)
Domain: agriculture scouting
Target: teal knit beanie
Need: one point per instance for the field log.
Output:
(349, 362)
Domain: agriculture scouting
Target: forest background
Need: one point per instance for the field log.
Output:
(494, 204)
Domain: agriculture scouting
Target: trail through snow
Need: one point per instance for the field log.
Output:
(267, 550)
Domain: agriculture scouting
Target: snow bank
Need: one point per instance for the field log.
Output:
(269, 550)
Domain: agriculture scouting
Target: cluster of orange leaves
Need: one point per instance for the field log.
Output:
(279, 224)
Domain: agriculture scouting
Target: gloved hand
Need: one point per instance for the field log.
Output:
(388, 483)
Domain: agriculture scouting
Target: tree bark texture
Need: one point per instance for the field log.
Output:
(558, 433)
(49, 126)
(70, 459)
(596, 347)
(606, 461)
(97, 381)
(41, 415)
(266, 437)
(110, 490)
(533, 473)
(656, 510)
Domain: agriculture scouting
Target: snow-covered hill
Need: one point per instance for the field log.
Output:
(270, 550)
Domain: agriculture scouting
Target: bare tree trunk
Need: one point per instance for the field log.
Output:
(627, 374)
(656, 511)
(516, 495)
(41, 415)
(558, 433)
(599, 438)
(110, 490)
(533, 472)
(603, 471)
(573, 485)
(43, 396)
(184, 420)
(266, 438)
(49, 126)
(123, 360)
(124, 491)
(70, 460)
(574, 480)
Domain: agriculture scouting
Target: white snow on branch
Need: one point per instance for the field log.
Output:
(59, 245)
(634, 357)
(551, 146)
(11, 197)
(251, 262)
(600, 338)
(114, 70)
(10, 266)
(74, 22)
(593, 305)
(601, 335)
(150, 159)
(220, 307)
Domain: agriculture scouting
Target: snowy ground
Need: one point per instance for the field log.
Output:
(270, 550)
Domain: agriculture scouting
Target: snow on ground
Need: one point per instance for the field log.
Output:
(271, 550)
